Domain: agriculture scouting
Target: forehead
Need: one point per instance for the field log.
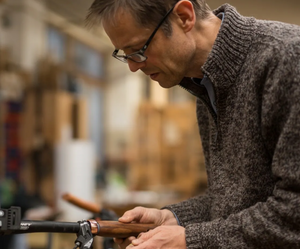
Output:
(123, 30)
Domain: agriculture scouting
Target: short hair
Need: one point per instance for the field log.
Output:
(146, 12)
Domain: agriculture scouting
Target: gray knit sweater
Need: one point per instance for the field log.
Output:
(252, 151)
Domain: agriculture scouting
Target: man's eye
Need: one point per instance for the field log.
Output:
(127, 52)
(131, 50)
(135, 49)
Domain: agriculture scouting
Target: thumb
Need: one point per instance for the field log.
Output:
(127, 217)
(132, 215)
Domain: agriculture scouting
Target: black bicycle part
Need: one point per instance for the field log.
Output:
(11, 223)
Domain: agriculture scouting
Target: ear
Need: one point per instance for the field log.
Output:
(186, 14)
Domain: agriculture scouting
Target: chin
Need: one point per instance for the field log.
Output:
(168, 84)
(166, 81)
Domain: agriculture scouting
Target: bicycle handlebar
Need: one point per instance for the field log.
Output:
(10, 223)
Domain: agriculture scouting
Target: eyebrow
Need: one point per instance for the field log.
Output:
(127, 47)
(134, 45)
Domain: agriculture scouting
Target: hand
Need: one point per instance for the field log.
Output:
(145, 215)
(123, 243)
(149, 215)
(162, 237)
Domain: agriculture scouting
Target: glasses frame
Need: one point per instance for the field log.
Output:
(124, 58)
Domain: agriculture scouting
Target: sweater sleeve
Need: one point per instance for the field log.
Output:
(274, 223)
(193, 210)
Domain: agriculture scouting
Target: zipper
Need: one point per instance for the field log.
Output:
(200, 92)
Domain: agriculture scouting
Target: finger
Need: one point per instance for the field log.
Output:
(127, 217)
(140, 235)
(130, 246)
(133, 215)
(123, 243)
(140, 239)
(135, 239)
(143, 237)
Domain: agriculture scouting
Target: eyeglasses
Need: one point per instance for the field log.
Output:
(139, 55)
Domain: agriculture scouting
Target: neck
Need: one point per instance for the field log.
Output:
(205, 34)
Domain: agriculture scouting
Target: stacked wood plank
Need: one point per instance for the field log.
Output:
(167, 150)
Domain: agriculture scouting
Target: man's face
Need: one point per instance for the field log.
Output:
(168, 57)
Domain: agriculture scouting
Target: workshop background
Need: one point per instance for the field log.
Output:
(73, 120)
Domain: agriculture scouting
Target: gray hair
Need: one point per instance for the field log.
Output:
(146, 12)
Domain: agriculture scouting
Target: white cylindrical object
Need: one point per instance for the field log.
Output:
(75, 165)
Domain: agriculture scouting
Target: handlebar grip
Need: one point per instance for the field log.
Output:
(117, 229)
(81, 203)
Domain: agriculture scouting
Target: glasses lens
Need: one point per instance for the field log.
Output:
(137, 57)
(121, 58)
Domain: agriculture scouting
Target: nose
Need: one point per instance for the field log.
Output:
(135, 66)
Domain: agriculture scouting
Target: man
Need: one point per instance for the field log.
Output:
(246, 76)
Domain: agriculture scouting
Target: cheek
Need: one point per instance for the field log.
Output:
(174, 59)
(169, 55)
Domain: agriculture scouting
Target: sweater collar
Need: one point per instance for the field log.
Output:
(230, 48)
